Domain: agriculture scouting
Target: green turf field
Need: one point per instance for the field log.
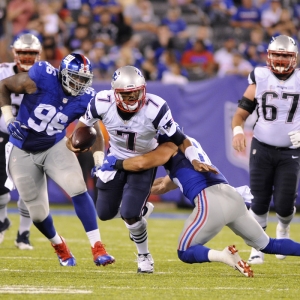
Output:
(37, 274)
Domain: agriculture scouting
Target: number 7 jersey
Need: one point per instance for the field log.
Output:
(278, 106)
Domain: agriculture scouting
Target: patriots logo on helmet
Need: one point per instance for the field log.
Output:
(115, 76)
(168, 125)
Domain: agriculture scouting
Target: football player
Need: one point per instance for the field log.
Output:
(132, 118)
(273, 92)
(26, 50)
(53, 98)
(216, 204)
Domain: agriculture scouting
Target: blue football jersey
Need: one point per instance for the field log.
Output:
(46, 114)
(190, 181)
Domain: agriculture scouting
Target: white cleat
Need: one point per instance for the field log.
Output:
(282, 233)
(145, 263)
(256, 257)
(149, 211)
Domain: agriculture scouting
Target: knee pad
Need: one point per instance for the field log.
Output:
(38, 211)
(4, 199)
(287, 219)
(75, 184)
(26, 188)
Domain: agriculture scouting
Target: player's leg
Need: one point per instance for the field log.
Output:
(135, 196)
(285, 191)
(29, 177)
(62, 166)
(261, 184)
(4, 192)
(214, 207)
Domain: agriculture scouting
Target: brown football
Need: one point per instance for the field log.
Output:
(84, 137)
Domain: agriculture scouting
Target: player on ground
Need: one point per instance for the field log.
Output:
(215, 202)
(26, 50)
(37, 145)
(132, 119)
(273, 92)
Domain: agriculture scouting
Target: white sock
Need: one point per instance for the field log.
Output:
(261, 219)
(4, 199)
(25, 224)
(94, 236)
(284, 222)
(215, 256)
(56, 239)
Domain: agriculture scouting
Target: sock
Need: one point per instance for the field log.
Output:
(4, 199)
(46, 227)
(282, 247)
(261, 219)
(56, 239)
(25, 221)
(94, 236)
(284, 222)
(139, 235)
(195, 254)
(85, 211)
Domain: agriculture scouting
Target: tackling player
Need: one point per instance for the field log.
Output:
(273, 92)
(37, 145)
(216, 204)
(26, 50)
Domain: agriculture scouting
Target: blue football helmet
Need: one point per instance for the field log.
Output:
(76, 74)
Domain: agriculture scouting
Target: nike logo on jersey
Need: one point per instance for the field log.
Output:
(294, 156)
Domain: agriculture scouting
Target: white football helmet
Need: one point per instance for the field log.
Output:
(282, 54)
(27, 50)
(129, 79)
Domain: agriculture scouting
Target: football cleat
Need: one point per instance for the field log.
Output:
(22, 241)
(65, 257)
(101, 257)
(147, 211)
(145, 263)
(3, 227)
(282, 233)
(256, 257)
(233, 259)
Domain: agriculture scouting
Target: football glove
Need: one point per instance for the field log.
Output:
(295, 138)
(95, 169)
(109, 164)
(15, 129)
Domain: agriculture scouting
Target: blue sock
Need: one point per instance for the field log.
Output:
(85, 210)
(46, 227)
(194, 254)
(283, 247)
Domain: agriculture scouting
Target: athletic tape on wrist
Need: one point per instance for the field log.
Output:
(7, 113)
(191, 153)
(98, 158)
(238, 130)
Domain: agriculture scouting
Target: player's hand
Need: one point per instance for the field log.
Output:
(15, 129)
(109, 163)
(239, 142)
(295, 138)
(201, 167)
(95, 169)
(71, 148)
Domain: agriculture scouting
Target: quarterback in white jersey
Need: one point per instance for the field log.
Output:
(132, 118)
(26, 50)
(273, 92)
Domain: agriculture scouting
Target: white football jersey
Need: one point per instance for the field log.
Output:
(137, 135)
(7, 70)
(278, 106)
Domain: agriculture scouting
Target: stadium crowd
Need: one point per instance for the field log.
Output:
(173, 41)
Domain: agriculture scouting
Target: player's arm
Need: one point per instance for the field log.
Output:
(155, 158)
(245, 107)
(19, 84)
(163, 185)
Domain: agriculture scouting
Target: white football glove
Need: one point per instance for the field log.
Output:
(295, 138)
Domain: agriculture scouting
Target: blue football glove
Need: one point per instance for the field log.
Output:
(109, 163)
(94, 170)
(15, 129)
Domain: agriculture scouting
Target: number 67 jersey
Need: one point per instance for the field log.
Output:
(278, 106)
(47, 112)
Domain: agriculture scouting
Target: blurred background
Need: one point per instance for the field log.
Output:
(196, 54)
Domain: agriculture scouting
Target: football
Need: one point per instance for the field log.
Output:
(84, 137)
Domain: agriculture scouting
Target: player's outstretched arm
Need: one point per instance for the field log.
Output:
(163, 185)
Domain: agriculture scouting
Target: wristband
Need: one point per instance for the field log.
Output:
(119, 165)
(238, 130)
(7, 113)
(191, 153)
(98, 158)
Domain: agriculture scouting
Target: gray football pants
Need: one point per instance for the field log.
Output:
(29, 170)
(215, 207)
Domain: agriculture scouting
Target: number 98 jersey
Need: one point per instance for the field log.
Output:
(278, 106)
(47, 112)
